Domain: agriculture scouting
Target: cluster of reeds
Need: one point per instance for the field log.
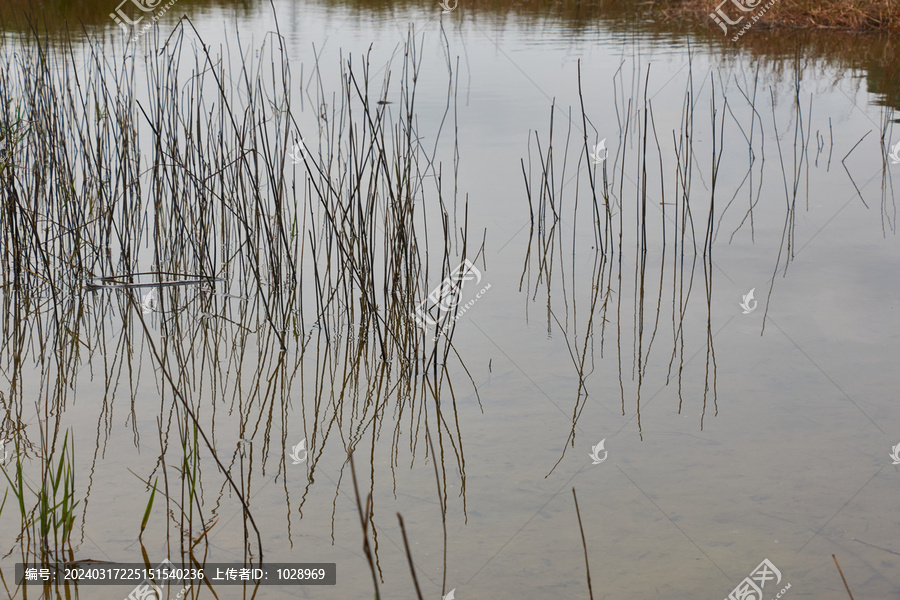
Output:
(380, 194)
(628, 211)
(184, 184)
(641, 202)
(658, 197)
(46, 507)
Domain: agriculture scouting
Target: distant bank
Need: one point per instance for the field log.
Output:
(731, 15)
(848, 15)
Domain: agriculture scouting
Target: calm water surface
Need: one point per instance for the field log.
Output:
(731, 437)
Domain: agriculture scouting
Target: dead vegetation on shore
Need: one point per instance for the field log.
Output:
(841, 15)
(846, 15)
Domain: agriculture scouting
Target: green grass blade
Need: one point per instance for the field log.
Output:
(149, 507)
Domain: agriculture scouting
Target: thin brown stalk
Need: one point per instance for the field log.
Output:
(412, 567)
(587, 565)
(842, 576)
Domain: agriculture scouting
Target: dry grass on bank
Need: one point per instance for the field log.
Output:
(847, 15)
(854, 15)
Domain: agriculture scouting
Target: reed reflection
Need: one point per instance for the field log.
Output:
(657, 240)
(283, 294)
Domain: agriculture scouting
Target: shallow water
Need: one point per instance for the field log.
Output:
(731, 437)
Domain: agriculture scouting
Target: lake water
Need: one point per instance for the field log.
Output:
(731, 434)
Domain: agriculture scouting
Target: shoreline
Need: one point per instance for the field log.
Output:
(870, 16)
(845, 16)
